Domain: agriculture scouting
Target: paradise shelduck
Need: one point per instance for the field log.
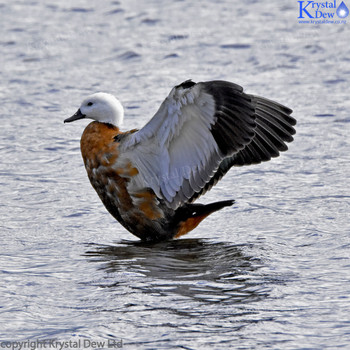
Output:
(149, 178)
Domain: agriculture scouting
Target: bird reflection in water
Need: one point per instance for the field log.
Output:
(195, 268)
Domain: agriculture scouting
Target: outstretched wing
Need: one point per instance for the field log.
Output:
(181, 149)
(274, 127)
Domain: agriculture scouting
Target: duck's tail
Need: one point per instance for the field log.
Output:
(189, 216)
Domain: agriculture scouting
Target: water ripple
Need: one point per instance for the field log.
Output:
(212, 272)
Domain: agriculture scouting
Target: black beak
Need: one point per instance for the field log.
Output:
(76, 116)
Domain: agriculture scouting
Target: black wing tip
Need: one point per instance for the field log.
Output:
(271, 103)
(186, 84)
(234, 115)
(211, 85)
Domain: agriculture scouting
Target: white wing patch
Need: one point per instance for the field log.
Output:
(175, 152)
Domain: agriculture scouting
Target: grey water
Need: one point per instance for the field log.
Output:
(271, 272)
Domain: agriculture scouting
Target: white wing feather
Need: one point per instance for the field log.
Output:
(175, 152)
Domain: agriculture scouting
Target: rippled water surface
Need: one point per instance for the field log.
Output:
(271, 272)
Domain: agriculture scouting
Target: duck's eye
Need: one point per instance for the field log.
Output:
(90, 104)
